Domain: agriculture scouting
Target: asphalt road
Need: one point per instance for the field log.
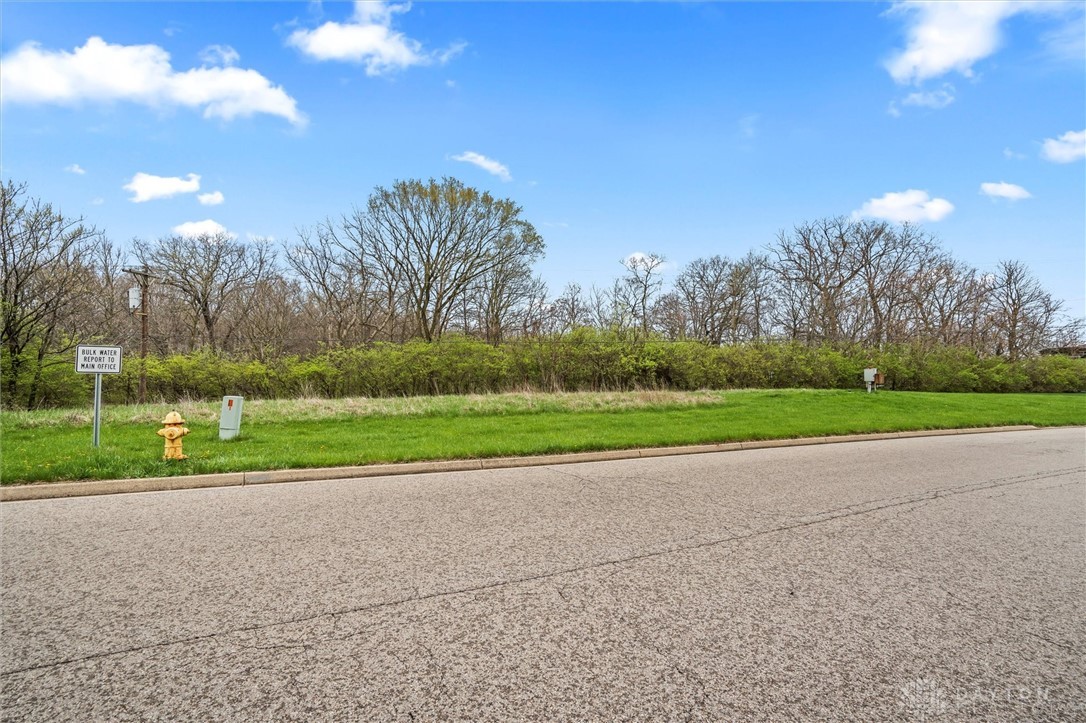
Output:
(918, 579)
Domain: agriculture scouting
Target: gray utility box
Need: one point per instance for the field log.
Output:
(230, 419)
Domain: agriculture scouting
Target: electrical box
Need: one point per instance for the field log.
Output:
(230, 418)
(135, 298)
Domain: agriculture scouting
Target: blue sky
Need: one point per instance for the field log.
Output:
(687, 129)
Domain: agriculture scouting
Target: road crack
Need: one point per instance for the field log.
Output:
(864, 508)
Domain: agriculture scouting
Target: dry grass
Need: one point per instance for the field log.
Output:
(314, 409)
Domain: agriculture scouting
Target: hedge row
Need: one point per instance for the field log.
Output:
(584, 360)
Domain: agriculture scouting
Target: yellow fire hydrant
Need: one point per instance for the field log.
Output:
(173, 432)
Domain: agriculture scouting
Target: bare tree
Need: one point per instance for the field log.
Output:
(210, 275)
(1068, 332)
(437, 240)
(946, 302)
(570, 309)
(638, 288)
(348, 299)
(1023, 313)
(272, 318)
(756, 279)
(46, 273)
(671, 317)
(534, 310)
(702, 288)
(608, 308)
(816, 268)
(889, 259)
(497, 302)
(724, 300)
(106, 307)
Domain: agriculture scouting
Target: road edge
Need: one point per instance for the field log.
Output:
(57, 490)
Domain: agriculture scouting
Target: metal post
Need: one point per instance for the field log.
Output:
(143, 277)
(97, 408)
(144, 301)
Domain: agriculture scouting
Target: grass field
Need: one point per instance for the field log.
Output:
(55, 445)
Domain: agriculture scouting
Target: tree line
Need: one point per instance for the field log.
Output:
(424, 261)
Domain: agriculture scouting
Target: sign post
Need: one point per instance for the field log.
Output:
(97, 360)
(139, 298)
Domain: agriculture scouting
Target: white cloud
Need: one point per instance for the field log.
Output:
(952, 35)
(219, 55)
(99, 72)
(642, 260)
(76, 169)
(1069, 147)
(368, 38)
(146, 187)
(1013, 155)
(211, 199)
(1009, 191)
(748, 125)
(487, 164)
(908, 206)
(931, 99)
(377, 12)
(207, 227)
(1067, 42)
(444, 56)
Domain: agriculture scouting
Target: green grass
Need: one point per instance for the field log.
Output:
(56, 445)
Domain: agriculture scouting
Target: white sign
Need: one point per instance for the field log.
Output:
(98, 359)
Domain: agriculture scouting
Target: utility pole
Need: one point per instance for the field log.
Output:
(143, 278)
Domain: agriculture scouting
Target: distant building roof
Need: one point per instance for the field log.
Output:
(1079, 352)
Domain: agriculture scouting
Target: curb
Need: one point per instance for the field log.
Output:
(54, 490)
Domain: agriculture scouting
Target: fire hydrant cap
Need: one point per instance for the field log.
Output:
(173, 418)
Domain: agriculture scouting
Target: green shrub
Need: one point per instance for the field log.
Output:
(583, 360)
